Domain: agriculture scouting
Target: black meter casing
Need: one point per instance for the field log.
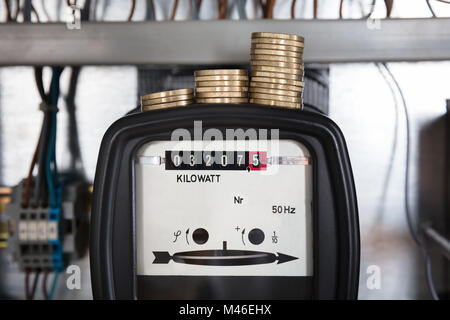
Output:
(336, 247)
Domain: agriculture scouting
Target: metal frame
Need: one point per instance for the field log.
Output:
(220, 41)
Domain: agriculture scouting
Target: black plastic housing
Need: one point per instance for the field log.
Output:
(336, 249)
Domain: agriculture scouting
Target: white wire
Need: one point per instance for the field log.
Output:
(412, 230)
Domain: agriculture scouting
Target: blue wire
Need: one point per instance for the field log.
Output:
(52, 289)
(149, 14)
(48, 172)
(52, 177)
(195, 13)
(241, 9)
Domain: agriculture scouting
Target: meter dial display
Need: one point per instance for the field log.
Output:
(224, 208)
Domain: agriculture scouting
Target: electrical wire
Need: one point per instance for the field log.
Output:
(46, 179)
(86, 11)
(44, 285)
(410, 223)
(53, 287)
(193, 9)
(27, 188)
(45, 153)
(293, 9)
(52, 175)
(389, 5)
(30, 295)
(35, 282)
(26, 11)
(341, 5)
(76, 163)
(387, 178)
(174, 10)
(150, 13)
(8, 11)
(48, 172)
(433, 14)
(40, 187)
(133, 7)
(315, 8)
(222, 7)
(271, 8)
(27, 285)
(241, 4)
(267, 8)
(45, 293)
(36, 14)
(372, 9)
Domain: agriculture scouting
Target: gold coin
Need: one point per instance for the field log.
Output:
(275, 58)
(220, 89)
(224, 77)
(274, 35)
(167, 93)
(267, 96)
(278, 42)
(278, 81)
(215, 72)
(277, 70)
(290, 93)
(218, 84)
(276, 47)
(277, 64)
(280, 75)
(222, 100)
(168, 99)
(275, 103)
(166, 105)
(277, 53)
(230, 94)
(277, 86)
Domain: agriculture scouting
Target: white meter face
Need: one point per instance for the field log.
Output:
(224, 208)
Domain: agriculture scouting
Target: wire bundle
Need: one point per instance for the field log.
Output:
(47, 181)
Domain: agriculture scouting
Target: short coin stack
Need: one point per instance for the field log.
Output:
(276, 69)
(167, 99)
(221, 86)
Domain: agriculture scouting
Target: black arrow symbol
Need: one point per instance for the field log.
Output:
(162, 257)
(282, 258)
(223, 257)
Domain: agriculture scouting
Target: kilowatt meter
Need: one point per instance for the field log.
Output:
(224, 202)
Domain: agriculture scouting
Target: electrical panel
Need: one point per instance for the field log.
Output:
(46, 238)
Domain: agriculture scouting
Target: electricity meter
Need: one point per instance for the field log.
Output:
(224, 202)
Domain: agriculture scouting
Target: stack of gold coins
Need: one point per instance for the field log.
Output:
(167, 99)
(276, 69)
(221, 86)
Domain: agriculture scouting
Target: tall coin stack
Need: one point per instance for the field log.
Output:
(276, 62)
(221, 86)
(167, 99)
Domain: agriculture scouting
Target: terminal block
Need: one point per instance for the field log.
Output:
(46, 238)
